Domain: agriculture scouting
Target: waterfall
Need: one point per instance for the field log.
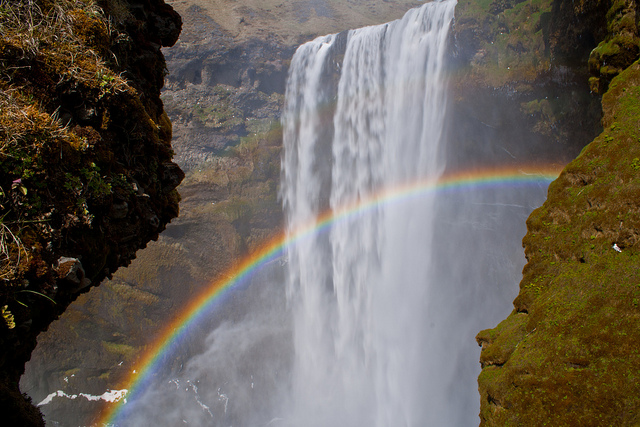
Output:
(369, 317)
(365, 113)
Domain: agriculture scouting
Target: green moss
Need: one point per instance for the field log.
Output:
(259, 126)
(71, 372)
(218, 116)
(500, 350)
(570, 363)
(512, 34)
(234, 209)
(619, 49)
(122, 350)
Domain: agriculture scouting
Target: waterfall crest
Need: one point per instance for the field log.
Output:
(364, 112)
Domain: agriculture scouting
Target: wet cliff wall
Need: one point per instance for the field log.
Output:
(86, 175)
(567, 354)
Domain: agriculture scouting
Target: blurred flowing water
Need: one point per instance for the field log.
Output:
(365, 112)
(386, 304)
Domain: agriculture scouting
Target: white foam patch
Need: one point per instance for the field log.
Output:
(111, 396)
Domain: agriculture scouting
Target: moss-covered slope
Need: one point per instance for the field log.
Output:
(86, 176)
(568, 353)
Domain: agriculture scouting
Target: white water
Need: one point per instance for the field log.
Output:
(108, 396)
(360, 293)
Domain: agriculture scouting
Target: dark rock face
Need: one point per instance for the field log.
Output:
(603, 31)
(95, 181)
(576, 28)
(517, 88)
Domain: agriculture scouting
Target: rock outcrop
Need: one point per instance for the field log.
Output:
(87, 177)
(567, 354)
(514, 85)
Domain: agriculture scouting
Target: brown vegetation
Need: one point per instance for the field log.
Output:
(86, 176)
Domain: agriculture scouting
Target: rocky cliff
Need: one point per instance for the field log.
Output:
(515, 87)
(567, 354)
(86, 175)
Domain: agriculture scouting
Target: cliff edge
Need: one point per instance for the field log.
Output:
(86, 176)
(568, 354)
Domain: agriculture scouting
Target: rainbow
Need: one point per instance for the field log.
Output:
(201, 306)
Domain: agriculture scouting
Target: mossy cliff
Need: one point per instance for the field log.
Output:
(541, 63)
(568, 354)
(86, 177)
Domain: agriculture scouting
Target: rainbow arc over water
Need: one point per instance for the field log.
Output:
(174, 332)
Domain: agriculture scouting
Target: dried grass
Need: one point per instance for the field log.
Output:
(11, 253)
(51, 35)
(28, 26)
(44, 32)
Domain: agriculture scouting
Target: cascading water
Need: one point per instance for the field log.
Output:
(358, 292)
(382, 305)
(385, 305)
